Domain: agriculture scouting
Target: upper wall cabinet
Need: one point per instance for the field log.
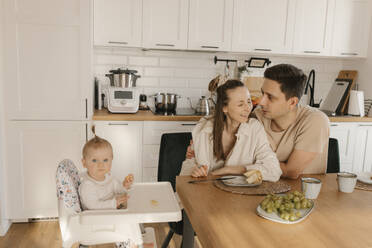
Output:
(48, 50)
(313, 28)
(263, 26)
(118, 23)
(351, 28)
(210, 25)
(165, 24)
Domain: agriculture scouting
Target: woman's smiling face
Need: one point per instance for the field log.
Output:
(239, 105)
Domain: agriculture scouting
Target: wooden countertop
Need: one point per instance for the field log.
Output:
(146, 115)
(141, 115)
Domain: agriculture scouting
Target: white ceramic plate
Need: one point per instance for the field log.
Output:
(365, 177)
(238, 181)
(276, 218)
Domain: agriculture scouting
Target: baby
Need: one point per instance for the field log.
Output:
(99, 190)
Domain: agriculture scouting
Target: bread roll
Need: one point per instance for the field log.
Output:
(253, 176)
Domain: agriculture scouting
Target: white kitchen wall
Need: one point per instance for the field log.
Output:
(4, 223)
(188, 73)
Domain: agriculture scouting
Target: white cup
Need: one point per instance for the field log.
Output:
(346, 182)
(311, 187)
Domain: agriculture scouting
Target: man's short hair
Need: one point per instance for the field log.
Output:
(291, 79)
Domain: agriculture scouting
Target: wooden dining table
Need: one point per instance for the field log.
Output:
(223, 219)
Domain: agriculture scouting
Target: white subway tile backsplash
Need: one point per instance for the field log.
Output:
(173, 82)
(159, 72)
(189, 73)
(144, 61)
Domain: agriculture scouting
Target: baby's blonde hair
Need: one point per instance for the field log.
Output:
(95, 143)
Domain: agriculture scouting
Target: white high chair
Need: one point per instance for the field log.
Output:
(81, 226)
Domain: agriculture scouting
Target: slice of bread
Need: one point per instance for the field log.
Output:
(253, 176)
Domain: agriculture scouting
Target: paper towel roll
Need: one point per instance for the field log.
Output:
(356, 103)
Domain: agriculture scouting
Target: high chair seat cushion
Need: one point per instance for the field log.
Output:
(68, 181)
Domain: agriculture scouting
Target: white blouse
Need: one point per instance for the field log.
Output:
(251, 150)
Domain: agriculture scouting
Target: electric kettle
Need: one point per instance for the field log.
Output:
(205, 106)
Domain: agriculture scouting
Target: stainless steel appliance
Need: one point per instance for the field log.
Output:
(205, 106)
(165, 102)
(123, 78)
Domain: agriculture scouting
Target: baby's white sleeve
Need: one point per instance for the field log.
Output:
(90, 200)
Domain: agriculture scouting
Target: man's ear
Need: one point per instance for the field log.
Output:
(293, 101)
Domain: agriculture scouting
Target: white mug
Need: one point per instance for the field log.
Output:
(346, 182)
(311, 187)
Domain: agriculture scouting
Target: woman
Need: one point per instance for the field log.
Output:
(231, 143)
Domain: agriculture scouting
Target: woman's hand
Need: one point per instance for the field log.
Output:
(229, 170)
(128, 181)
(190, 152)
(201, 171)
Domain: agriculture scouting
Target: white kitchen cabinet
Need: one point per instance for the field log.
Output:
(345, 133)
(152, 132)
(362, 155)
(210, 25)
(34, 149)
(263, 26)
(118, 23)
(351, 28)
(165, 24)
(126, 141)
(48, 59)
(313, 27)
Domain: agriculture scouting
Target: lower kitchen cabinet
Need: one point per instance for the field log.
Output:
(152, 132)
(34, 149)
(126, 140)
(362, 154)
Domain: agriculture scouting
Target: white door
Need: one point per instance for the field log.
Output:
(47, 54)
(118, 23)
(351, 28)
(313, 28)
(363, 146)
(34, 149)
(263, 26)
(126, 141)
(345, 133)
(210, 25)
(165, 24)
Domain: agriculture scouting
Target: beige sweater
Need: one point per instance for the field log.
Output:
(251, 150)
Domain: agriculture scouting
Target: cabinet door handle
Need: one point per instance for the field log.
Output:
(349, 54)
(263, 49)
(118, 42)
(86, 132)
(86, 108)
(118, 124)
(215, 47)
(365, 125)
(311, 52)
(165, 45)
(334, 125)
(188, 124)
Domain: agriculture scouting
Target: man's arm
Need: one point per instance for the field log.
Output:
(296, 164)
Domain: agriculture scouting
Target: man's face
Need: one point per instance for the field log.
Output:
(273, 102)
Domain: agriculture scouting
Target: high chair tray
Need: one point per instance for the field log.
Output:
(148, 203)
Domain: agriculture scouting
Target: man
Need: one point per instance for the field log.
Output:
(297, 134)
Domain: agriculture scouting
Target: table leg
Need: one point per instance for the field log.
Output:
(188, 232)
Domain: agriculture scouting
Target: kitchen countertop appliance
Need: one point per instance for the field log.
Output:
(123, 96)
(165, 103)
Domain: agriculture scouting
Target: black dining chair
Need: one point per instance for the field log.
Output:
(172, 153)
(333, 162)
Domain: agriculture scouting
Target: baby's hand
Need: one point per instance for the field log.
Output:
(128, 181)
(121, 200)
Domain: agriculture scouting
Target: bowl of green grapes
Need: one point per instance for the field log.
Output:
(289, 208)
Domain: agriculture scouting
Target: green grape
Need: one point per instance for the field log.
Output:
(292, 218)
(297, 205)
(296, 199)
(298, 214)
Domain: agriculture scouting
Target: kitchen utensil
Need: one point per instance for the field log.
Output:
(210, 180)
(311, 187)
(123, 100)
(123, 78)
(205, 106)
(346, 182)
(165, 102)
(336, 97)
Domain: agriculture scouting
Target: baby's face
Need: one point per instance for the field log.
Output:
(98, 162)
